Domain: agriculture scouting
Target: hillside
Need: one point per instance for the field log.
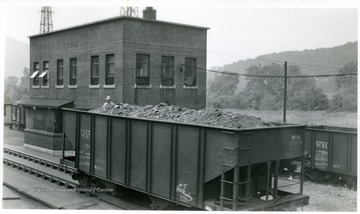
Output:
(17, 56)
(316, 61)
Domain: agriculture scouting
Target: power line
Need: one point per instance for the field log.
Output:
(273, 76)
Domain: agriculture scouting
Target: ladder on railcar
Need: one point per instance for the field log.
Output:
(235, 182)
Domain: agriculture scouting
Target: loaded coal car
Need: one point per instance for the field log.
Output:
(171, 165)
(331, 154)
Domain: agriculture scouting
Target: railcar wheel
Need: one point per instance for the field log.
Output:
(84, 180)
(315, 175)
(332, 178)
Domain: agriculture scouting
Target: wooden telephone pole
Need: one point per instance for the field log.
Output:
(285, 92)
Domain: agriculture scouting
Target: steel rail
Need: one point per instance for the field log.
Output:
(69, 184)
(41, 161)
(39, 173)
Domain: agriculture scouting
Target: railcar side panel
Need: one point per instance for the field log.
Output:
(161, 160)
(339, 157)
(321, 150)
(138, 154)
(100, 144)
(118, 150)
(218, 149)
(187, 155)
(260, 144)
(353, 153)
(85, 143)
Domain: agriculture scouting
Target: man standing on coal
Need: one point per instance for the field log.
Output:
(108, 104)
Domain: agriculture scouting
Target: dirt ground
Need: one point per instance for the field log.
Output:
(330, 198)
(326, 197)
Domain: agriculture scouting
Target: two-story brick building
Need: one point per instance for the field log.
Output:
(134, 60)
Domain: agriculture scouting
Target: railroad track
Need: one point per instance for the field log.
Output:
(68, 184)
(38, 173)
(41, 161)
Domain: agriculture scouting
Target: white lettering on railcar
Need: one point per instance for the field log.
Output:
(85, 133)
(99, 167)
(184, 196)
(321, 144)
(336, 166)
(295, 140)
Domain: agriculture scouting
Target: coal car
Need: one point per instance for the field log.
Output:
(170, 164)
(331, 154)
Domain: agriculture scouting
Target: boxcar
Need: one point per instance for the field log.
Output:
(190, 165)
(14, 115)
(8, 114)
(332, 153)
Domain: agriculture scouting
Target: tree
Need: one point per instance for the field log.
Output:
(16, 88)
(348, 83)
(221, 90)
(346, 97)
(267, 93)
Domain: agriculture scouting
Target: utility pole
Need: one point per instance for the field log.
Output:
(285, 91)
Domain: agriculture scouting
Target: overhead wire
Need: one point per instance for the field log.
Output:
(273, 76)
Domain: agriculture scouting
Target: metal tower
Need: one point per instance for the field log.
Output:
(46, 24)
(129, 11)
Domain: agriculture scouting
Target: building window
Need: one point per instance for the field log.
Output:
(35, 74)
(45, 74)
(60, 72)
(73, 72)
(94, 70)
(167, 70)
(109, 69)
(142, 69)
(190, 72)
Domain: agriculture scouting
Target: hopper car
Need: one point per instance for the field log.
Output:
(171, 165)
(331, 154)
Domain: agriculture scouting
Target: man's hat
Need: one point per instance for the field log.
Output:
(108, 98)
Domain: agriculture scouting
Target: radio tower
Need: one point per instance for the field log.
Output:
(129, 11)
(46, 24)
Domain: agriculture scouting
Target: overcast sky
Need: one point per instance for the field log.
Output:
(238, 29)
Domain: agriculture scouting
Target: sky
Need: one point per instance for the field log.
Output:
(238, 29)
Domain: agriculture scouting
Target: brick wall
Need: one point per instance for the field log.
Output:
(124, 37)
(45, 140)
(80, 43)
(156, 41)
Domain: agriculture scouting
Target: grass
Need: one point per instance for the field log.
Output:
(341, 119)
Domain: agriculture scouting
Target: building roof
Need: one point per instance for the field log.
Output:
(45, 103)
(118, 18)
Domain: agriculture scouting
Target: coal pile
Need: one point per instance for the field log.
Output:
(209, 117)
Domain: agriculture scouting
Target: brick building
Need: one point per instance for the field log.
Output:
(134, 60)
